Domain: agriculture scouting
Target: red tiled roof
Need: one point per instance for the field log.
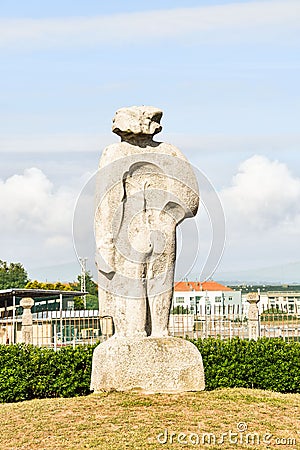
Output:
(184, 286)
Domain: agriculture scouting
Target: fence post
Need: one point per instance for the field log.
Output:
(253, 315)
(26, 304)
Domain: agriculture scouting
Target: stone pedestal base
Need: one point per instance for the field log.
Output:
(150, 365)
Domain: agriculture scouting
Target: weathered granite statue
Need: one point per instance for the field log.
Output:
(145, 189)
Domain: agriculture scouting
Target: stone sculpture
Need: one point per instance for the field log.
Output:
(145, 189)
(27, 303)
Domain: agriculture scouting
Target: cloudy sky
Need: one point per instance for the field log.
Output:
(227, 78)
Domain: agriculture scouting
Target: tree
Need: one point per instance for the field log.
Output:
(179, 309)
(55, 286)
(12, 275)
(91, 288)
(58, 286)
(92, 302)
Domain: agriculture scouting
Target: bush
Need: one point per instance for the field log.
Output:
(28, 372)
(271, 364)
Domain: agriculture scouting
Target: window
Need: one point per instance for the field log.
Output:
(218, 299)
(179, 299)
(70, 304)
(229, 298)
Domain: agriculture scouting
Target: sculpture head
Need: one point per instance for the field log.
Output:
(137, 121)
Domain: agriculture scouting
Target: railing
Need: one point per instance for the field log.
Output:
(57, 328)
(217, 321)
(70, 328)
(278, 322)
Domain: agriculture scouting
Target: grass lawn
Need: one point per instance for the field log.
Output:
(133, 421)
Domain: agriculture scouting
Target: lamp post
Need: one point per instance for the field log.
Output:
(83, 279)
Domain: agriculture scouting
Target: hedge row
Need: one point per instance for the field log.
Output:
(28, 372)
(270, 364)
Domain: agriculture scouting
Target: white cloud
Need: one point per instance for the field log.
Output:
(257, 16)
(29, 203)
(262, 208)
(36, 220)
(263, 195)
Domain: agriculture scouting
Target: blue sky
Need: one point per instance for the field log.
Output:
(225, 74)
(70, 8)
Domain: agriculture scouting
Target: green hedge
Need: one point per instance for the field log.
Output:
(28, 372)
(270, 364)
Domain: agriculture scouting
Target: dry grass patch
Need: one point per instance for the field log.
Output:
(120, 421)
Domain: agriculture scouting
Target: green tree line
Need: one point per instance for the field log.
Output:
(14, 275)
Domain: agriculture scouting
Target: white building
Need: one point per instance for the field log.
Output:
(283, 301)
(206, 298)
(288, 302)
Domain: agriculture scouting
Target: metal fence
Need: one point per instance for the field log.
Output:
(278, 322)
(227, 325)
(57, 328)
(70, 328)
(217, 321)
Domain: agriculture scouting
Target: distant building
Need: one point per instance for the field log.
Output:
(288, 302)
(283, 301)
(206, 298)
